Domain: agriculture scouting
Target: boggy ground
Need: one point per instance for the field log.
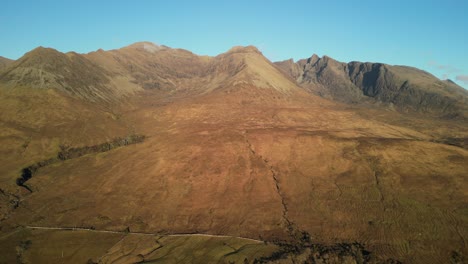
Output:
(246, 162)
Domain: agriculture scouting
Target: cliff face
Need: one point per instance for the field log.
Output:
(403, 87)
(408, 88)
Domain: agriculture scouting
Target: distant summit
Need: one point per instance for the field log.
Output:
(147, 46)
(244, 49)
(116, 74)
(405, 87)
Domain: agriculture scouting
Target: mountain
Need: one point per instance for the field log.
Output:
(404, 87)
(149, 153)
(150, 66)
(71, 73)
(112, 75)
(4, 62)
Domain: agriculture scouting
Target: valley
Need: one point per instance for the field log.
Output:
(235, 158)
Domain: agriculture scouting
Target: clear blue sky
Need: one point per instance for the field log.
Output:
(431, 34)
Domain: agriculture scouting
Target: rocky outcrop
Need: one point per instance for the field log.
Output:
(403, 87)
(408, 88)
(323, 76)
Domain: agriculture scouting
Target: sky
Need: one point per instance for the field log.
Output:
(431, 35)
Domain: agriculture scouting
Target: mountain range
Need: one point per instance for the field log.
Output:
(159, 154)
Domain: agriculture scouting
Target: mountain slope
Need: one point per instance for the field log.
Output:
(4, 62)
(110, 75)
(232, 146)
(247, 64)
(151, 66)
(403, 87)
(72, 73)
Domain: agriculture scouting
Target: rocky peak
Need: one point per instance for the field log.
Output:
(313, 59)
(401, 86)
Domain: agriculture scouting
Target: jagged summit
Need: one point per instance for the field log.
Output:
(313, 59)
(356, 82)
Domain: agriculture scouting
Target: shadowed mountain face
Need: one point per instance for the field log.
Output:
(406, 88)
(149, 142)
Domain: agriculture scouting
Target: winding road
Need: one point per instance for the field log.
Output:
(137, 233)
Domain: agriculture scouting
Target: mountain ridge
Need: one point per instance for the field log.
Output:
(231, 145)
(405, 87)
(119, 73)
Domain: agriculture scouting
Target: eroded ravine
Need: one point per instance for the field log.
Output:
(67, 153)
(289, 224)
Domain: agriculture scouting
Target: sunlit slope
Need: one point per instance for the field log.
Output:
(233, 146)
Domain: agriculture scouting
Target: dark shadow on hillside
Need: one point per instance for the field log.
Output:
(72, 153)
